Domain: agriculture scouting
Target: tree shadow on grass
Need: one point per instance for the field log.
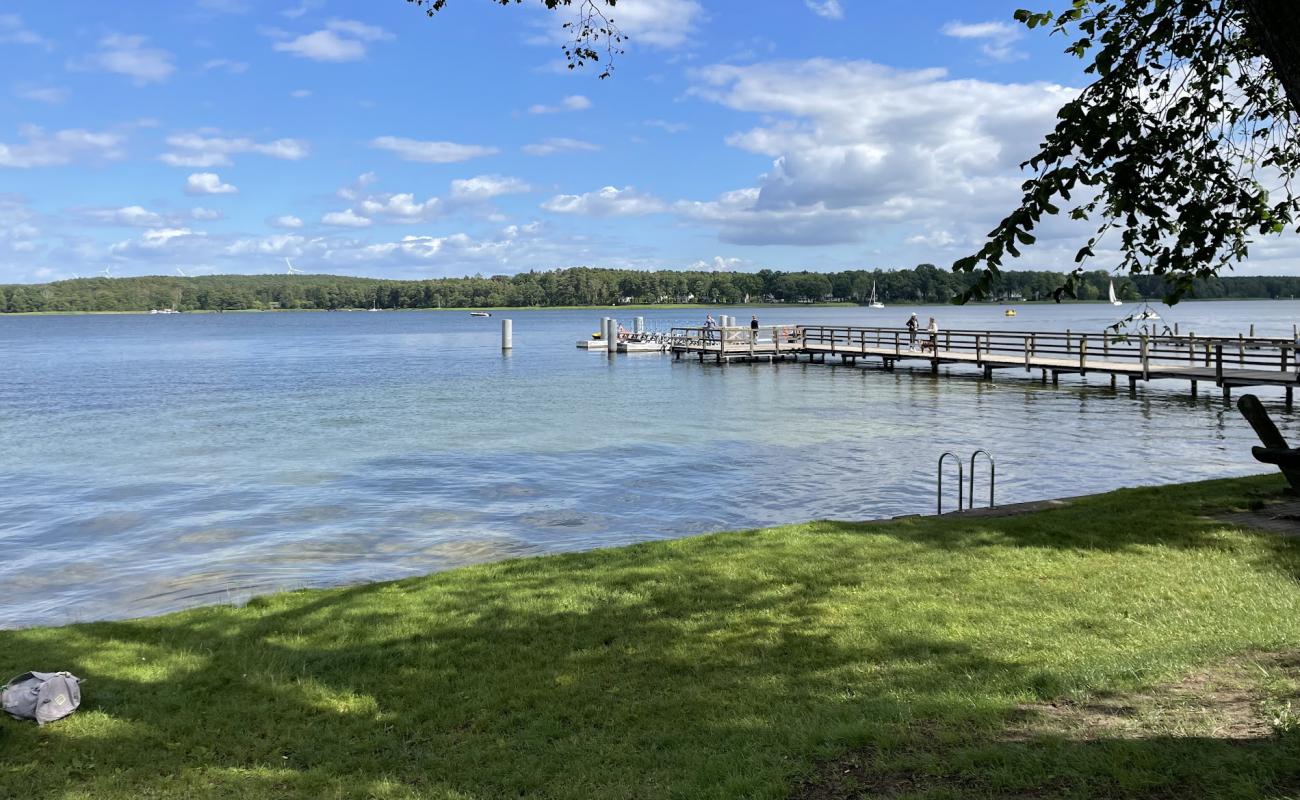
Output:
(718, 667)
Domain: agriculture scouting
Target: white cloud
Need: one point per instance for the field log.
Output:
(294, 12)
(207, 183)
(340, 40)
(60, 147)
(128, 55)
(226, 65)
(345, 219)
(855, 146)
(198, 150)
(52, 95)
(485, 187)
(286, 221)
(719, 264)
(830, 9)
(574, 102)
(354, 190)
(666, 126)
(205, 214)
(13, 31)
(550, 147)
(431, 152)
(606, 202)
(131, 216)
(664, 24)
(996, 37)
(401, 207)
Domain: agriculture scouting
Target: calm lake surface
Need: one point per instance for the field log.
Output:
(150, 463)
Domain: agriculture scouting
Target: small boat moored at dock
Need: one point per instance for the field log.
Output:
(480, 314)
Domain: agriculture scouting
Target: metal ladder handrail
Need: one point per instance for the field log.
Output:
(961, 479)
(993, 476)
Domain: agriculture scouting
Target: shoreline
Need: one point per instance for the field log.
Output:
(740, 664)
(630, 307)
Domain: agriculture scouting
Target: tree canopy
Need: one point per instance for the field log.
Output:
(1184, 146)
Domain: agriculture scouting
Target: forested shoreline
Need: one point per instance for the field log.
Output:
(583, 286)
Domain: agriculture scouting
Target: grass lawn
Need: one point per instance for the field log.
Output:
(923, 657)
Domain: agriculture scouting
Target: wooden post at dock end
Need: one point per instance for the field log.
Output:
(1193, 390)
(1146, 360)
(1227, 394)
(1218, 364)
(1288, 398)
(1252, 330)
(507, 334)
(1083, 355)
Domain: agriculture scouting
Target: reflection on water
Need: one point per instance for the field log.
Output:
(151, 463)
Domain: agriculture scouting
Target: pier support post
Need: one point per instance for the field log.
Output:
(1193, 390)
(1288, 398)
(988, 372)
(1227, 394)
(1056, 378)
(1112, 380)
(1044, 376)
(1132, 384)
(507, 334)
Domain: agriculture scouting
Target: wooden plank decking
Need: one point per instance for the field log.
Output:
(1224, 361)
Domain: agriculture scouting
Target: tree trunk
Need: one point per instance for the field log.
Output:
(1275, 25)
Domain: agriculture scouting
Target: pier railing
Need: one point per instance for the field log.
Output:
(737, 339)
(1039, 347)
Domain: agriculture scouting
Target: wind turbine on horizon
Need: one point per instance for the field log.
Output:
(292, 269)
(107, 271)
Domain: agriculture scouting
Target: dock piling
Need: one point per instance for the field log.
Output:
(507, 334)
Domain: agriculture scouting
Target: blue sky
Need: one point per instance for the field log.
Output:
(367, 139)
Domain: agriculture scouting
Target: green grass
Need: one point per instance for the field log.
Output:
(730, 665)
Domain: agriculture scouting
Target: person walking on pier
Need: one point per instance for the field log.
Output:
(912, 324)
(753, 328)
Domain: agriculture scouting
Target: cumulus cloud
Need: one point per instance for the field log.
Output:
(340, 40)
(286, 221)
(854, 145)
(205, 214)
(719, 264)
(128, 55)
(606, 202)
(207, 183)
(996, 38)
(550, 147)
(43, 149)
(485, 187)
(829, 9)
(664, 24)
(200, 150)
(345, 219)
(574, 102)
(130, 216)
(431, 152)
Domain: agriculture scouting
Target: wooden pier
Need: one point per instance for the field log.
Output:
(1225, 362)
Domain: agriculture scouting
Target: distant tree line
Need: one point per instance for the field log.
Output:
(585, 286)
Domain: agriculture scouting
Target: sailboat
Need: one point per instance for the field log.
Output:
(1113, 299)
(873, 301)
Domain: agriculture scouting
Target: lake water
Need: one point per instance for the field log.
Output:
(150, 463)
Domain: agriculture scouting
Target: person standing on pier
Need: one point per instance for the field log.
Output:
(709, 325)
(912, 324)
(753, 328)
(933, 330)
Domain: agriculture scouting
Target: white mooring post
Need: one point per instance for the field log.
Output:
(639, 325)
(611, 339)
(507, 334)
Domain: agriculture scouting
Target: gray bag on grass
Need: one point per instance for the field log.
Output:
(42, 696)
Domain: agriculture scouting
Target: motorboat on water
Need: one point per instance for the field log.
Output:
(480, 314)
(640, 343)
(1010, 312)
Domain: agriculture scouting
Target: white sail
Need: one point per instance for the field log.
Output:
(874, 302)
(1113, 299)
